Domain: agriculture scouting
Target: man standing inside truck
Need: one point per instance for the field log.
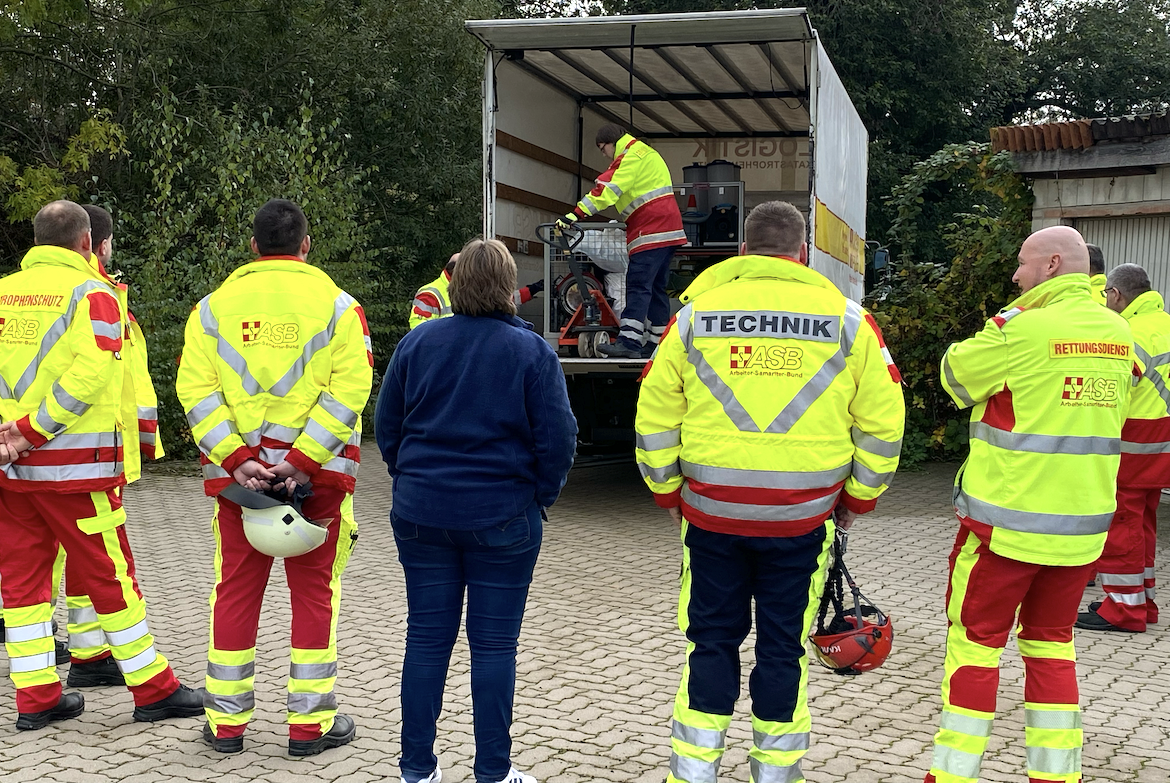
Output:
(638, 184)
(771, 404)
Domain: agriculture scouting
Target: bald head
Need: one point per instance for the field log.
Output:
(451, 262)
(1049, 253)
(63, 224)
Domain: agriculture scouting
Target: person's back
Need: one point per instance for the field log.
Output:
(1054, 398)
(61, 378)
(1126, 567)
(276, 371)
(770, 406)
(474, 424)
(1048, 383)
(466, 436)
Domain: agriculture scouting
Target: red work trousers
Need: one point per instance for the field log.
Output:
(314, 583)
(985, 593)
(31, 525)
(1126, 566)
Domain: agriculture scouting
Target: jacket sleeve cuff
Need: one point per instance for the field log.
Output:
(236, 458)
(30, 434)
(671, 500)
(299, 460)
(855, 505)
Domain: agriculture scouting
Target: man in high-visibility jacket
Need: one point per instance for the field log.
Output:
(431, 301)
(1048, 381)
(638, 184)
(276, 371)
(1126, 567)
(92, 664)
(754, 424)
(62, 381)
(1097, 273)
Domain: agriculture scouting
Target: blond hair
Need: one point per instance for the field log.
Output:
(484, 279)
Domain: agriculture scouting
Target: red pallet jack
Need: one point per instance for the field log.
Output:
(593, 323)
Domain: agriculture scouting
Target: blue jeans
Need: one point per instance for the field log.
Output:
(495, 566)
(646, 299)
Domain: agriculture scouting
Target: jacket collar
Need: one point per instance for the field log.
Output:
(277, 264)
(755, 267)
(1149, 302)
(51, 255)
(511, 320)
(1054, 290)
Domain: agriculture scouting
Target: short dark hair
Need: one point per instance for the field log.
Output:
(61, 224)
(774, 228)
(279, 228)
(101, 224)
(609, 134)
(1130, 280)
(1096, 260)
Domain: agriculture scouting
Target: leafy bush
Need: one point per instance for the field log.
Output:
(188, 225)
(948, 278)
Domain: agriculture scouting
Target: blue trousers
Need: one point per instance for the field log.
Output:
(647, 305)
(494, 567)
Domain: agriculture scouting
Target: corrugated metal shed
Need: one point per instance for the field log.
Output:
(1079, 134)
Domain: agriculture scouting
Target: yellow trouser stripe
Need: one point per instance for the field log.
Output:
(697, 742)
(86, 639)
(58, 572)
(962, 736)
(28, 639)
(134, 652)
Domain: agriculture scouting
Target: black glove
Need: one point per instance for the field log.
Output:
(535, 287)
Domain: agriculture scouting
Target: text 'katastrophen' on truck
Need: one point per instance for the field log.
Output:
(743, 106)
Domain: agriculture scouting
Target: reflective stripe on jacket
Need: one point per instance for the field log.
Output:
(61, 373)
(1048, 381)
(1145, 438)
(758, 421)
(431, 301)
(277, 365)
(638, 183)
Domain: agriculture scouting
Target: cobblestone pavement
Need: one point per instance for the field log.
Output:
(600, 656)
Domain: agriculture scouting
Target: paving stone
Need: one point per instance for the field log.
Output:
(599, 660)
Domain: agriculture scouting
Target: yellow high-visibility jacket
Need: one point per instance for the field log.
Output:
(1145, 438)
(770, 399)
(1097, 288)
(62, 372)
(277, 366)
(431, 301)
(1048, 381)
(139, 401)
(638, 184)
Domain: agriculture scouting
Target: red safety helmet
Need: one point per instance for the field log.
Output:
(858, 639)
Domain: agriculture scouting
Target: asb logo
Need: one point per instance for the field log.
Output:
(19, 328)
(268, 333)
(765, 358)
(1088, 389)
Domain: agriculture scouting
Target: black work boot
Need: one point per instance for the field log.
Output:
(61, 649)
(70, 706)
(1091, 621)
(342, 733)
(619, 351)
(183, 703)
(92, 674)
(222, 744)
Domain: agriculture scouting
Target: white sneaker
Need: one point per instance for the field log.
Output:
(434, 777)
(516, 776)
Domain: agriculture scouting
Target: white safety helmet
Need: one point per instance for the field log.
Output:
(275, 526)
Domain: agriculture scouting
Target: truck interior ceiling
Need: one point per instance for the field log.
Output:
(725, 101)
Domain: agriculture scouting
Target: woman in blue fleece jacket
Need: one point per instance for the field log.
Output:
(474, 423)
